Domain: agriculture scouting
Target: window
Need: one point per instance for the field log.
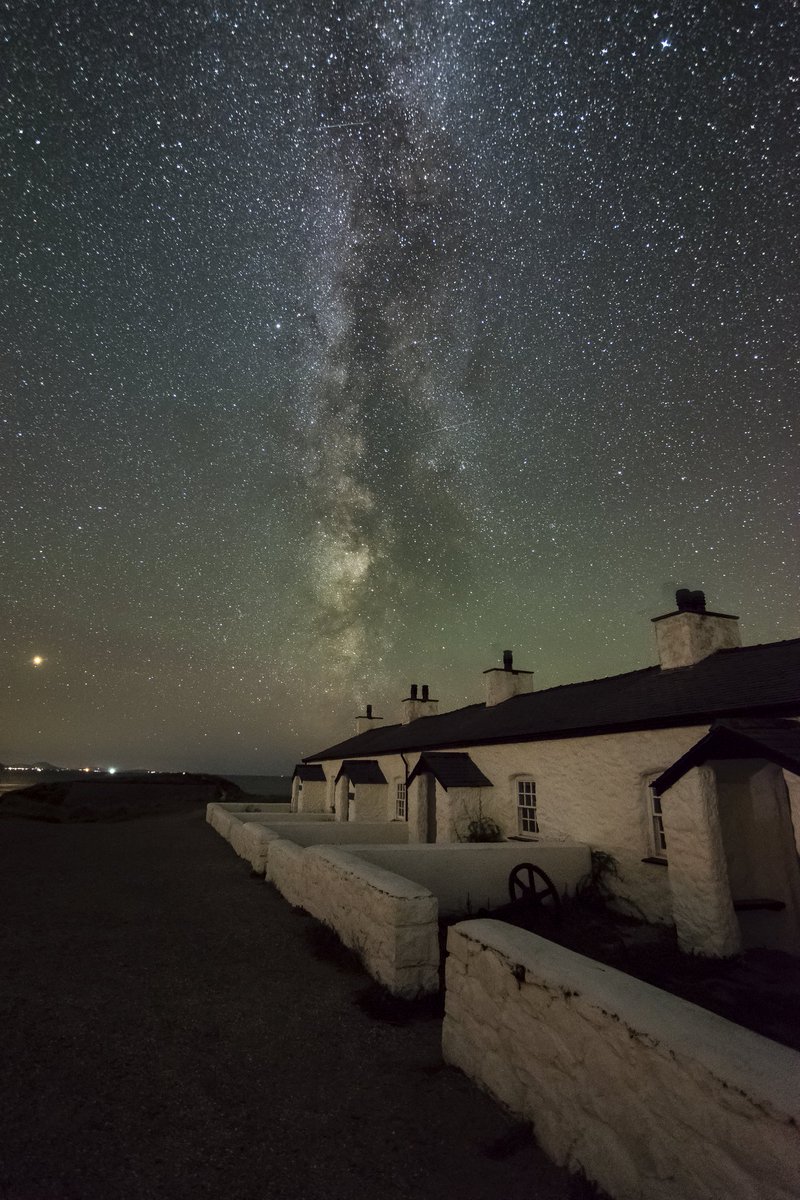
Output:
(658, 839)
(526, 806)
(401, 805)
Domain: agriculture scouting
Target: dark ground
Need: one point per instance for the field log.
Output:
(168, 1033)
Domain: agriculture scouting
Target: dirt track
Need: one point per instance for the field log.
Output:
(167, 1033)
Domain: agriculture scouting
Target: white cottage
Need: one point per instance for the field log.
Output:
(677, 771)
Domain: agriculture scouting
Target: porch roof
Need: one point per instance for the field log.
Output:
(361, 770)
(451, 770)
(776, 740)
(308, 772)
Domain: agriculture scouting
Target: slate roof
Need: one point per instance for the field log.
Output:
(742, 682)
(308, 772)
(451, 770)
(778, 741)
(360, 770)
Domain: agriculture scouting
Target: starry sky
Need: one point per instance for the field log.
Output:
(348, 343)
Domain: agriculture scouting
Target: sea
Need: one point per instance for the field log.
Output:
(253, 785)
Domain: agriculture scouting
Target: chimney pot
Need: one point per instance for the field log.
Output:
(425, 691)
(413, 691)
(508, 660)
(688, 601)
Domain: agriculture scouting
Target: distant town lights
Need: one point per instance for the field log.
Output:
(112, 770)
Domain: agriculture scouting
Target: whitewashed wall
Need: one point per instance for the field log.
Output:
(465, 877)
(589, 790)
(311, 798)
(254, 845)
(652, 1097)
(250, 806)
(234, 825)
(370, 802)
(344, 833)
(286, 870)
(390, 922)
(219, 813)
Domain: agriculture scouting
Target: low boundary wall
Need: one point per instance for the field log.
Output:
(226, 819)
(347, 834)
(652, 1097)
(468, 876)
(389, 921)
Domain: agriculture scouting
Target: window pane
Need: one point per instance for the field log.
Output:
(526, 806)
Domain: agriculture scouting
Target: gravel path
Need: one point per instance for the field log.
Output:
(168, 1033)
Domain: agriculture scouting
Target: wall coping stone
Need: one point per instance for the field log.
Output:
(735, 1055)
(382, 880)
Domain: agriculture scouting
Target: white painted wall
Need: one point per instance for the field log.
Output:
(698, 874)
(370, 802)
(250, 806)
(502, 685)
(390, 922)
(684, 638)
(652, 1097)
(312, 797)
(465, 877)
(344, 833)
(590, 790)
(254, 845)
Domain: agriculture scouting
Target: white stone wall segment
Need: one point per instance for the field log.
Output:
(350, 833)
(255, 845)
(589, 790)
(652, 1097)
(702, 906)
(390, 922)
(312, 797)
(501, 685)
(684, 638)
(466, 877)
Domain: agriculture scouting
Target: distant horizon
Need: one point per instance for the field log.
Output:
(113, 769)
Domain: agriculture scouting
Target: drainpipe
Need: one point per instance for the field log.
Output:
(405, 764)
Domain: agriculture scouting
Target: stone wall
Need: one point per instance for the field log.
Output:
(465, 877)
(390, 922)
(590, 790)
(220, 813)
(253, 844)
(345, 833)
(285, 869)
(652, 1097)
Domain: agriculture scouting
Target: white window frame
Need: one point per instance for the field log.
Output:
(401, 800)
(656, 838)
(526, 805)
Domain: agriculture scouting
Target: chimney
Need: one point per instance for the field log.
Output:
(504, 682)
(415, 706)
(367, 721)
(691, 633)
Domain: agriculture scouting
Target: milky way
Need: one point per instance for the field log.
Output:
(347, 344)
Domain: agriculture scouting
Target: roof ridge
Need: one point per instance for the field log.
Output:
(704, 690)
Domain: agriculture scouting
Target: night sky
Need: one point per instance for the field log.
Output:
(345, 345)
